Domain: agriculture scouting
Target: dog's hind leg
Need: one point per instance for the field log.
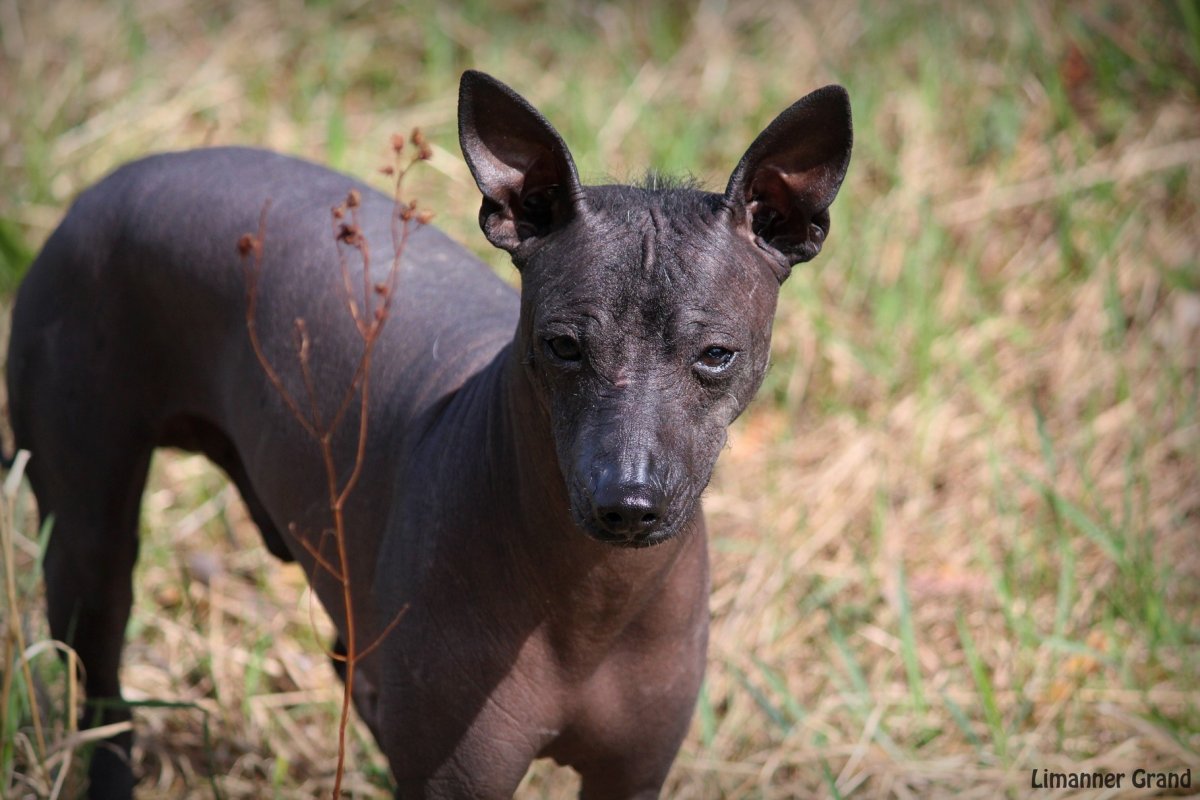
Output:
(93, 490)
(91, 446)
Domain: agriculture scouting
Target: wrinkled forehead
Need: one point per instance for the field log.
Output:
(657, 255)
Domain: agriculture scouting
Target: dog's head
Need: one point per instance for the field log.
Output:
(646, 310)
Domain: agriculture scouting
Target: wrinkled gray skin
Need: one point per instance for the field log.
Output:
(514, 482)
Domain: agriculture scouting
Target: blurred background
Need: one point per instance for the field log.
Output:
(956, 538)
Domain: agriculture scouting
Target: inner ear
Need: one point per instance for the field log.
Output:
(786, 181)
(540, 206)
(779, 211)
(522, 166)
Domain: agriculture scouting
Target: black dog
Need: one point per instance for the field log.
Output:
(524, 454)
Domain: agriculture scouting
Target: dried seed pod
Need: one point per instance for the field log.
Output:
(349, 234)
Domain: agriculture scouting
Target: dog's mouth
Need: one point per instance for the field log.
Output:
(636, 541)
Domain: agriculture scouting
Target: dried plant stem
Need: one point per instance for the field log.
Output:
(15, 645)
(370, 312)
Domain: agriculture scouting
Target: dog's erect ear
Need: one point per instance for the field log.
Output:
(782, 188)
(520, 163)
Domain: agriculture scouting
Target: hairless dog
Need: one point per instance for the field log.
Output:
(533, 473)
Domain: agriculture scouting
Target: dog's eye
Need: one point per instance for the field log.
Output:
(715, 359)
(564, 348)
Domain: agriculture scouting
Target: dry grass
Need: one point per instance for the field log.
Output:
(958, 536)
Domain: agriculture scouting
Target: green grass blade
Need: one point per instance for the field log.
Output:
(983, 684)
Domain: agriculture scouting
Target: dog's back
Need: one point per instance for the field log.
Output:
(111, 276)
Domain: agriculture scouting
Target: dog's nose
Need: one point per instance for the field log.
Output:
(628, 511)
